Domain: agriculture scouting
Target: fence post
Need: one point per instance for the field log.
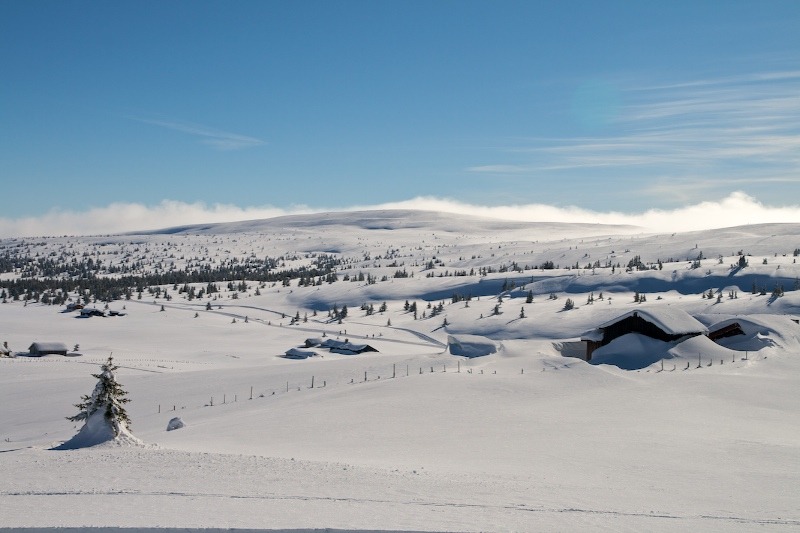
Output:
(393, 370)
(251, 392)
(312, 382)
(159, 408)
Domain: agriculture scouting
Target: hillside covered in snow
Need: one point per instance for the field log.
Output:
(407, 370)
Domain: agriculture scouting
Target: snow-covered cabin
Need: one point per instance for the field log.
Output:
(45, 348)
(661, 323)
(312, 342)
(346, 347)
(296, 353)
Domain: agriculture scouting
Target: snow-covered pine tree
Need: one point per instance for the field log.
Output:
(105, 407)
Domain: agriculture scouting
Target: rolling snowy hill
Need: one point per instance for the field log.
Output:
(701, 435)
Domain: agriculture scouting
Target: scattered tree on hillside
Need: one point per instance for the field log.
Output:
(569, 304)
(106, 403)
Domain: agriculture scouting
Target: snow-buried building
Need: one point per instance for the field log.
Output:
(660, 323)
(341, 347)
(44, 348)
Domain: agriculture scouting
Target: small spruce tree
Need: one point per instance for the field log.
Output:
(107, 400)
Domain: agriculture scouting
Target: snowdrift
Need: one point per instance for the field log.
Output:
(470, 345)
(97, 431)
(632, 352)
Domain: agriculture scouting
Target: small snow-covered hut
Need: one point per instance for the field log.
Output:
(312, 342)
(346, 347)
(296, 353)
(660, 323)
(44, 348)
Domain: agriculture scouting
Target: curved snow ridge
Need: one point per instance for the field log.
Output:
(422, 336)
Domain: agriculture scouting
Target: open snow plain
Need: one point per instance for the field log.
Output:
(529, 438)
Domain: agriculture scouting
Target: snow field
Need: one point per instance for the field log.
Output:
(520, 440)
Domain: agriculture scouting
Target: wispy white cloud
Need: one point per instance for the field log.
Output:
(727, 130)
(125, 217)
(501, 169)
(218, 139)
(736, 209)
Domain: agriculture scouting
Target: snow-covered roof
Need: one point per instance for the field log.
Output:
(670, 320)
(313, 341)
(346, 348)
(300, 354)
(595, 335)
(49, 346)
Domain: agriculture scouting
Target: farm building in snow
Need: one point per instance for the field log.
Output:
(296, 353)
(45, 348)
(728, 329)
(661, 323)
(344, 347)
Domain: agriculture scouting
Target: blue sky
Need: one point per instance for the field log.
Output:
(601, 106)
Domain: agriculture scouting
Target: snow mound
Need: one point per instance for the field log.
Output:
(175, 423)
(97, 431)
(700, 346)
(632, 351)
(470, 345)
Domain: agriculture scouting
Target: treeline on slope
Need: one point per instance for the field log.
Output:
(54, 288)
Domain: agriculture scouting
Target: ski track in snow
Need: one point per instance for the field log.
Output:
(417, 503)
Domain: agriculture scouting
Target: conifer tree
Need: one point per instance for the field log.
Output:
(107, 399)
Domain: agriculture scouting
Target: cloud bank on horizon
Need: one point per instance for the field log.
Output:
(736, 209)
